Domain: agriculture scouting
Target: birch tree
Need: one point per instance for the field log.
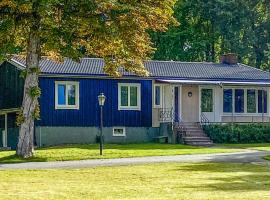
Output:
(116, 30)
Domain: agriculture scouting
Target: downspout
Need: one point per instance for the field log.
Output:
(40, 137)
(263, 105)
(221, 85)
(6, 131)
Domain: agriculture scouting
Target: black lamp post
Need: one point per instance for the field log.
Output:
(101, 102)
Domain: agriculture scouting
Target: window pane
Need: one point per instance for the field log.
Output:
(262, 101)
(61, 95)
(227, 100)
(207, 100)
(239, 100)
(71, 89)
(157, 95)
(251, 101)
(133, 96)
(124, 95)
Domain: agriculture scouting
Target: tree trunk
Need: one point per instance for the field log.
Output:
(25, 147)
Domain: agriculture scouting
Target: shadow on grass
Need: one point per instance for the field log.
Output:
(267, 158)
(16, 159)
(231, 177)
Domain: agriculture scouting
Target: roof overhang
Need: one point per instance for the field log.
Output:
(210, 82)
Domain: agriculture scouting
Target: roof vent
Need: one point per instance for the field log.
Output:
(230, 59)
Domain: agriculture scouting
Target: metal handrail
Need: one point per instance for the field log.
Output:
(204, 120)
(165, 114)
(168, 115)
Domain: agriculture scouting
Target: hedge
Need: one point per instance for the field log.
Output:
(238, 133)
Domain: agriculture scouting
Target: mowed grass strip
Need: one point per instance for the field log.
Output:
(91, 151)
(255, 146)
(267, 158)
(200, 181)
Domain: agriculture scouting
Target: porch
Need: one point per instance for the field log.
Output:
(178, 101)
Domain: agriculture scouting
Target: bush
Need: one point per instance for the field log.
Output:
(238, 133)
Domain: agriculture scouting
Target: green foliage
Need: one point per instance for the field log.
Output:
(20, 118)
(113, 30)
(23, 74)
(36, 113)
(34, 92)
(238, 133)
(209, 29)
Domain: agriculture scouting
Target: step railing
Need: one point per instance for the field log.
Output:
(204, 120)
(178, 128)
(165, 114)
(179, 131)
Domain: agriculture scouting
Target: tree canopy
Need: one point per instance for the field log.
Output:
(210, 28)
(115, 30)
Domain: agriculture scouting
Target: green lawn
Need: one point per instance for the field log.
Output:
(201, 181)
(256, 146)
(267, 158)
(82, 152)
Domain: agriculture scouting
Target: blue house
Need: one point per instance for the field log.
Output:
(176, 95)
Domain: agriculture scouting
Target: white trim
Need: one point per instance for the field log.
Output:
(213, 97)
(160, 97)
(128, 107)
(77, 95)
(245, 113)
(244, 83)
(180, 102)
(4, 132)
(119, 135)
(17, 64)
(256, 101)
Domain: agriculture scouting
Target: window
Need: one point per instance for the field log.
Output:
(227, 100)
(239, 101)
(157, 95)
(66, 95)
(119, 131)
(207, 100)
(129, 96)
(262, 101)
(251, 101)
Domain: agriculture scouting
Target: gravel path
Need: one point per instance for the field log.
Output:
(249, 156)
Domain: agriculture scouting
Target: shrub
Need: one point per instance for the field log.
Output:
(238, 133)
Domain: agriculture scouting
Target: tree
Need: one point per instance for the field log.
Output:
(210, 28)
(116, 30)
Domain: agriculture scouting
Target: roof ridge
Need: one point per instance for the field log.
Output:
(178, 61)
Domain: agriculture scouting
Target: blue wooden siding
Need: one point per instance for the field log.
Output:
(89, 112)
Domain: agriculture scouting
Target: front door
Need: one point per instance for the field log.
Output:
(190, 103)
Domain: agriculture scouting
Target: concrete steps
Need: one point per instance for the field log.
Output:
(195, 136)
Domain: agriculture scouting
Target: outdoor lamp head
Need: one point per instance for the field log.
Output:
(101, 99)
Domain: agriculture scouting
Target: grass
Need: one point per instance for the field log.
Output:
(200, 181)
(267, 157)
(82, 152)
(255, 146)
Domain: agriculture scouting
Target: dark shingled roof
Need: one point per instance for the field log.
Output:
(158, 69)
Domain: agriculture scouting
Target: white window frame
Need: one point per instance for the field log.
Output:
(117, 135)
(128, 107)
(245, 113)
(213, 96)
(77, 95)
(154, 95)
